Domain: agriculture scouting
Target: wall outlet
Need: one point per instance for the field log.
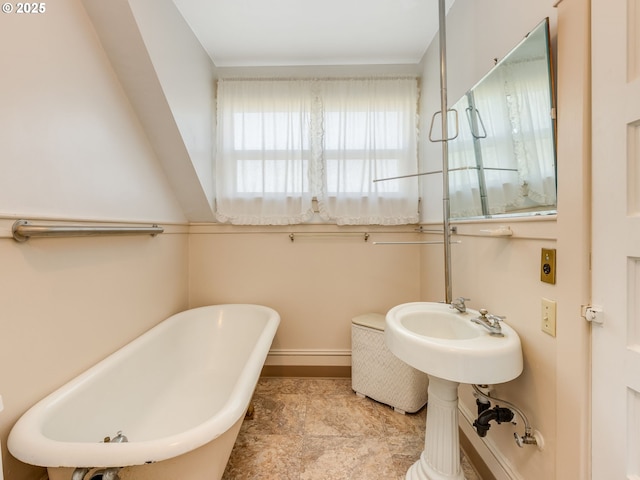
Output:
(548, 324)
(548, 265)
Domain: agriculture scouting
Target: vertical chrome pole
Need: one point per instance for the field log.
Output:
(445, 150)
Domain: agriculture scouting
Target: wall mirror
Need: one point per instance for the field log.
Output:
(503, 161)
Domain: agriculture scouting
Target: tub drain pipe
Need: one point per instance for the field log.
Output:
(106, 474)
(499, 415)
(79, 473)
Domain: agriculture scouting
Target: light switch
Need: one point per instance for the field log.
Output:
(548, 324)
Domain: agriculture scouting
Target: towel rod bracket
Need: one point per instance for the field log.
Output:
(15, 231)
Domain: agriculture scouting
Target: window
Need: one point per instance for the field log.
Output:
(284, 143)
(262, 143)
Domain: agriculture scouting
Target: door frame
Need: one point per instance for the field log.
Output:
(573, 336)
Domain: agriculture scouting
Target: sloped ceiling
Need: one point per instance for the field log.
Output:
(250, 33)
(165, 53)
(169, 80)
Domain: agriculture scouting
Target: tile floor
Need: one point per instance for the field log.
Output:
(319, 429)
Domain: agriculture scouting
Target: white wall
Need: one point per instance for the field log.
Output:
(502, 275)
(188, 78)
(67, 130)
(170, 81)
(71, 148)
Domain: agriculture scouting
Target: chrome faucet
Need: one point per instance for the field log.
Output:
(119, 438)
(490, 322)
(459, 305)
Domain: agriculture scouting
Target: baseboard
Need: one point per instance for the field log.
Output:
(474, 457)
(314, 357)
(327, 371)
(307, 363)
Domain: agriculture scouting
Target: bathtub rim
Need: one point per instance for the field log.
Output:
(26, 436)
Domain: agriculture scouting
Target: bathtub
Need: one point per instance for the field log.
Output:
(179, 394)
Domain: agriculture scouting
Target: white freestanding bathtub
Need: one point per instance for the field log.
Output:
(179, 394)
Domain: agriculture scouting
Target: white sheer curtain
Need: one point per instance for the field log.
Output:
(533, 137)
(498, 155)
(517, 153)
(369, 133)
(517, 108)
(464, 186)
(282, 143)
(264, 152)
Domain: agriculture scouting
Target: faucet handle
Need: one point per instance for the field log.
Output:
(458, 304)
(490, 316)
(489, 321)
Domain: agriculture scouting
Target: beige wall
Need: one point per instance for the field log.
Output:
(71, 148)
(503, 274)
(67, 303)
(573, 358)
(317, 283)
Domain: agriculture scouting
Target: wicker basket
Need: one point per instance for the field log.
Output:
(377, 373)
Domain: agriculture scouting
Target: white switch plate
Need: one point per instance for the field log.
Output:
(548, 324)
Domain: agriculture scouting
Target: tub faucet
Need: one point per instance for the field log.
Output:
(119, 438)
(459, 305)
(490, 322)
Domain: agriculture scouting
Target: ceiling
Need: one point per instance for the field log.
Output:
(252, 33)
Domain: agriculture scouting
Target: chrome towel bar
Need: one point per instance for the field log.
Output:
(364, 235)
(435, 242)
(22, 230)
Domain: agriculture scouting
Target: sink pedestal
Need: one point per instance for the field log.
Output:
(440, 459)
(448, 344)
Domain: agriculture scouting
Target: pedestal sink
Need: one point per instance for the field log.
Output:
(451, 349)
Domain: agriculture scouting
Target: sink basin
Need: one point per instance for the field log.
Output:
(444, 343)
(451, 349)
